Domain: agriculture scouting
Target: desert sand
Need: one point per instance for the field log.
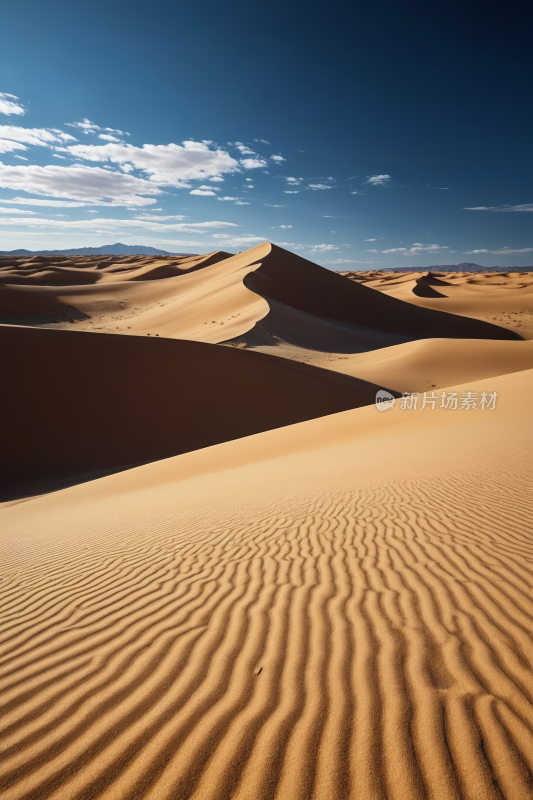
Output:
(224, 573)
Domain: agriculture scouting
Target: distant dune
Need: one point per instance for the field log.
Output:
(225, 573)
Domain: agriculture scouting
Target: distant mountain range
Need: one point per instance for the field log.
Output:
(458, 268)
(117, 249)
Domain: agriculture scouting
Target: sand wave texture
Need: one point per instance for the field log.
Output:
(337, 609)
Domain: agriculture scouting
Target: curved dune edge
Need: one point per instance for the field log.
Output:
(346, 621)
(79, 402)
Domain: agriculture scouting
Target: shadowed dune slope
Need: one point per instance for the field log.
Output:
(75, 402)
(337, 610)
(294, 281)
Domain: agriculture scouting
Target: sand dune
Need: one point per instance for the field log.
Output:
(79, 402)
(280, 593)
(504, 299)
(435, 363)
(216, 302)
(338, 609)
(80, 270)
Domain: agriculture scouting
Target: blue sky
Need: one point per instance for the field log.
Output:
(380, 135)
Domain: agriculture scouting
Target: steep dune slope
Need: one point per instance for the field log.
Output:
(294, 281)
(75, 402)
(339, 610)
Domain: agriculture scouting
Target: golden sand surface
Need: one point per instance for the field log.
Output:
(300, 597)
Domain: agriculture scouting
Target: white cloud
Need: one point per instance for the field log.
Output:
(282, 226)
(273, 205)
(22, 158)
(253, 163)
(210, 188)
(417, 247)
(263, 141)
(291, 191)
(249, 179)
(241, 203)
(90, 184)
(369, 240)
(228, 198)
(277, 158)
(245, 150)
(203, 192)
(502, 252)
(15, 211)
(316, 186)
(216, 179)
(8, 104)
(56, 155)
(522, 207)
(109, 225)
(378, 180)
(322, 248)
(357, 192)
(244, 242)
(166, 164)
(107, 137)
(29, 201)
(293, 181)
(8, 147)
(44, 137)
(90, 127)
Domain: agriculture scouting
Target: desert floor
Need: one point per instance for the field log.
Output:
(226, 574)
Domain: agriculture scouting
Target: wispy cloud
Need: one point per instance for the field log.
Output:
(262, 141)
(110, 225)
(370, 240)
(501, 252)
(277, 158)
(291, 191)
(203, 192)
(281, 226)
(293, 181)
(86, 126)
(42, 137)
(9, 104)
(506, 208)
(15, 211)
(316, 186)
(378, 180)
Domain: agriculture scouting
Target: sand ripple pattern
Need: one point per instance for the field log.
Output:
(372, 642)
